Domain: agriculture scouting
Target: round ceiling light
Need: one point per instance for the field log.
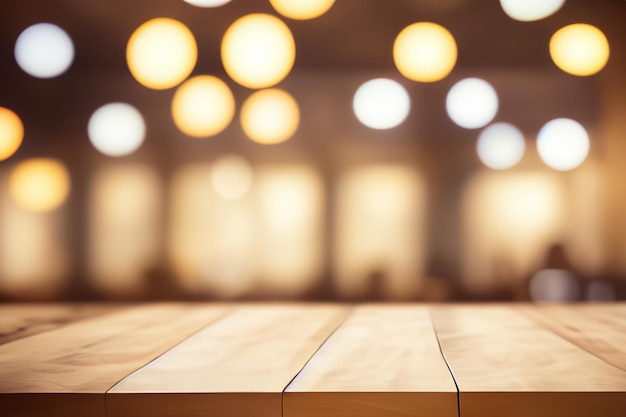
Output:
(425, 52)
(161, 53)
(258, 51)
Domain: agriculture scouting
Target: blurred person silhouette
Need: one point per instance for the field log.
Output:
(556, 280)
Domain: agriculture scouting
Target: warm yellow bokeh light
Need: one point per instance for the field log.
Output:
(161, 53)
(579, 49)
(203, 106)
(302, 9)
(258, 50)
(231, 177)
(270, 116)
(11, 133)
(509, 218)
(123, 228)
(39, 184)
(379, 240)
(425, 52)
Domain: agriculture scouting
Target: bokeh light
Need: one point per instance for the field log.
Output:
(425, 52)
(500, 146)
(258, 50)
(554, 285)
(161, 53)
(11, 133)
(207, 3)
(381, 103)
(44, 50)
(378, 239)
(39, 184)
(124, 206)
(472, 103)
(530, 10)
(116, 129)
(203, 106)
(512, 217)
(231, 177)
(579, 49)
(563, 144)
(290, 201)
(302, 9)
(270, 116)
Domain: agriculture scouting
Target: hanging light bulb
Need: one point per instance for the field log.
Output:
(579, 49)
(425, 52)
(258, 50)
(302, 9)
(161, 53)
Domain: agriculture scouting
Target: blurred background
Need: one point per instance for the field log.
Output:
(433, 150)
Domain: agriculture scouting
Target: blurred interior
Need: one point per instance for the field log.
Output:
(339, 211)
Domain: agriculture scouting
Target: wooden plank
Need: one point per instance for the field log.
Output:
(66, 372)
(237, 367)
(22, 320)
(600, 329)
(507, 365)
(383, 361)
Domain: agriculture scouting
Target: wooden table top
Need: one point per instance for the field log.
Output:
(313, 360)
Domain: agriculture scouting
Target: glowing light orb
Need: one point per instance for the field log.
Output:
(11, 133)
(500, 146)
(270, 116)
(472, 103)
(579, 49)
(381, 103)
(231, 177)
(258, 50)
(203, 106)
(161, 53)
(302, 9)
(425, 52)
(563, 144)
(207, 3)
(116, 129)
(530, 10)
(39, 184)
(44, 50)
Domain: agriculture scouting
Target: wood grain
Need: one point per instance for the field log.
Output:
(600, 329)
(22, 320)
(237, 367)
(384, 360)
(50, 373)
(312, 360)
(507, 365)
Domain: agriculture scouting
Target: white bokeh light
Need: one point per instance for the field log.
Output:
(500, 146)
(563, 144)
(116, 129)
(472, 103)
(530, 10)
(207, 3)
(381, 103)
(44, 50)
